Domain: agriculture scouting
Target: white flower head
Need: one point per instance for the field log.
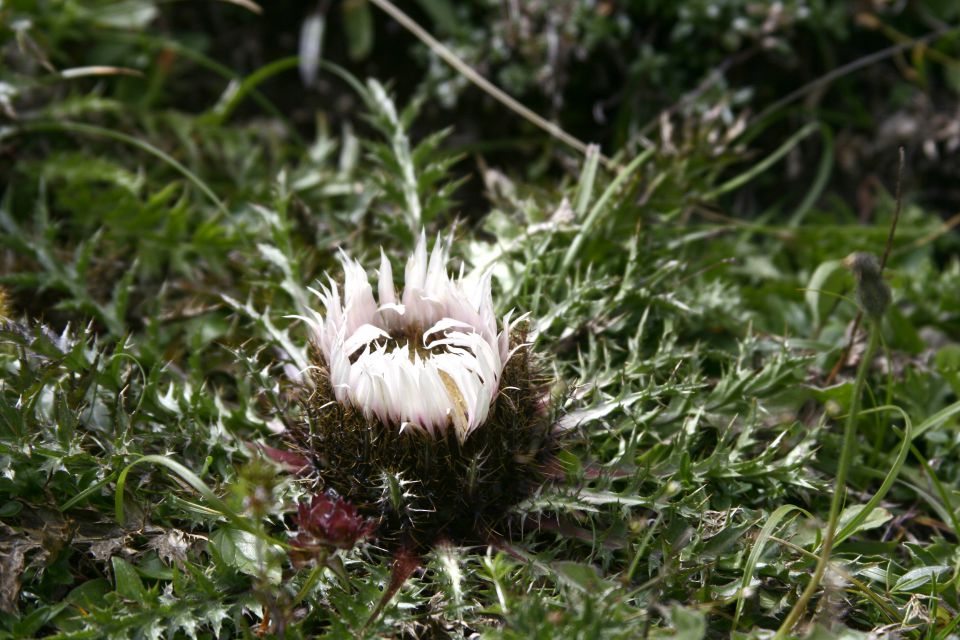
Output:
(430, 359)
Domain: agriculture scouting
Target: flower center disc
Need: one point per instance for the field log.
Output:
(411, 338)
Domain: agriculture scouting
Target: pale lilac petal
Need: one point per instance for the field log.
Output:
(443, 325)
(385, 291)
(358, 303)
(452, 377)
(437, 281)
(415, 273)
(362, 337)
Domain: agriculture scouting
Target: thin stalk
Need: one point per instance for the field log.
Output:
(309, 583)
(846, 458)
(850, 67)
(892, 614)
(883, 263)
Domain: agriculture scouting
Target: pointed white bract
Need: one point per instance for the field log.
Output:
(430, 359)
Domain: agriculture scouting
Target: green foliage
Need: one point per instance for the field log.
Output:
(163, 216)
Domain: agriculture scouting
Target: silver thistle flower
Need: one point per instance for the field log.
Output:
(430, 359)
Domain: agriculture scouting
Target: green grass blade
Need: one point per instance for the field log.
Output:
(600, 206)
(748, 569)
(936, 419)
(585, 186)
(820, 180)
(94, 130)
(236, 93)
(197, 484)
(763, 165)
(890, 478)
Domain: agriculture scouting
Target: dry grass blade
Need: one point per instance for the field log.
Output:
(494, 91)
(83, 72)
(851, 67)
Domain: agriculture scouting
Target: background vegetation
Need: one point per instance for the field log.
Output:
(174, 177)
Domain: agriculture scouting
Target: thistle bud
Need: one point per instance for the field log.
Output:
(873, 294)
(325, 523)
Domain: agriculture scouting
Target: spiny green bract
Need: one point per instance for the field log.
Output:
(422, 489)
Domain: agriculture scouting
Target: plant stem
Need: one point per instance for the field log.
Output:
(309, 583)
(846, 458)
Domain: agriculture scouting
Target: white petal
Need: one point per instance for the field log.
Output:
(436, 281)
(453, 383)
(385, 291)
(362, 337)
(415, 273)
(443, 325)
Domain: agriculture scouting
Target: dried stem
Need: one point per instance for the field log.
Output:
(485, 85)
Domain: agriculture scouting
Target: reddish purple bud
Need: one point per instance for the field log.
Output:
(327, 522)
